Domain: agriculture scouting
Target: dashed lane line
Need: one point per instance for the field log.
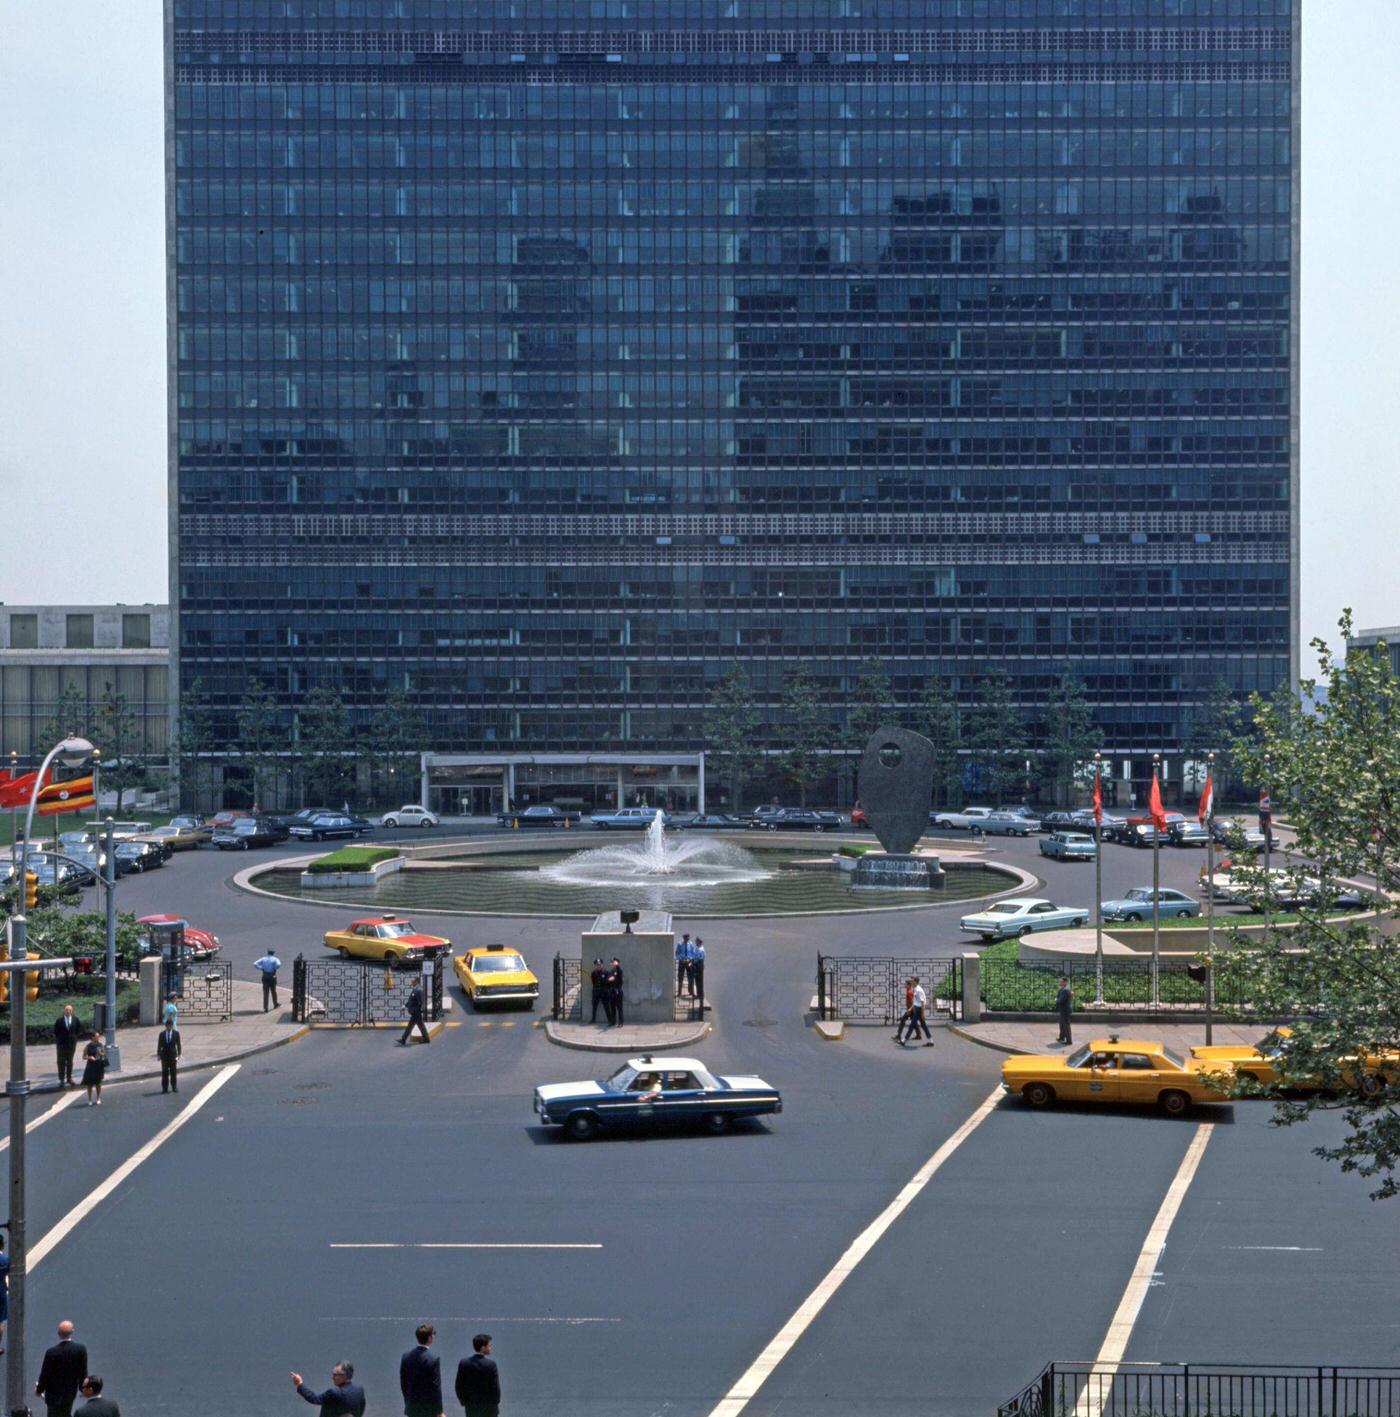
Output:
(454, 1245)
(95, 1197)
(1120, 1329)
(67, 1100)
(761, 1369)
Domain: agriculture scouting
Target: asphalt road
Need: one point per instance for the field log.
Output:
(217, 1265)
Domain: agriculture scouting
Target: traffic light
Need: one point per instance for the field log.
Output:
(31, 980)
(31, 890)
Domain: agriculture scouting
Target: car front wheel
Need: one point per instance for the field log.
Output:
(425, 823)
(1039, 1094)
(581, 1126)
(391, 821)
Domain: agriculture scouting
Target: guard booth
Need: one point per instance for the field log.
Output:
(201, 990)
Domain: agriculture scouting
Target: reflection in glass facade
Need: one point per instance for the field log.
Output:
(546, 357)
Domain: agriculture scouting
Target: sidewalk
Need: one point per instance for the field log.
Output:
(630, 1038)
(204, 1043)
(1040, 1037)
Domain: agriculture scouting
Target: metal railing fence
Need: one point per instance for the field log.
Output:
(871, 989)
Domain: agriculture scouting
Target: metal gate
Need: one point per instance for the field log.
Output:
(361, 993)
(872, 990)
(201, 990)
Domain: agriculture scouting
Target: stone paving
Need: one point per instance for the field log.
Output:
(1040, 1037)
(629, 1038)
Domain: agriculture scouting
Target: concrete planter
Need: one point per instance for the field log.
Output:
(334, 880)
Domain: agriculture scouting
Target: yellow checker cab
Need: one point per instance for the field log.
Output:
(496, 974)
(1118, 1070)
(386, 937)
(1261, 1063)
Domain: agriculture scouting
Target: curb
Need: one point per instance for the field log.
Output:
(192, 1067)
(982, 1042)
(550, 1032)
(833, 1030)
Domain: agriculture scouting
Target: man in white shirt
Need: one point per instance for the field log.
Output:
(916, 1016)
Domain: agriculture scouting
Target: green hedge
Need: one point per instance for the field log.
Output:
(82, 991)
(856, 851)
(353, 858)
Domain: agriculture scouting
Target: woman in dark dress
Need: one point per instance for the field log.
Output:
(94, 1066)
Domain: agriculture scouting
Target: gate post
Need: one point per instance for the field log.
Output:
(821, 988)
(971, 987)
(299, 989)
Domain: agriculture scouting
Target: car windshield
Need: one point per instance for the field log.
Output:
(487, 964)
(1139, 893)
(621, 1080)
(1078, 1058)
(394, 929)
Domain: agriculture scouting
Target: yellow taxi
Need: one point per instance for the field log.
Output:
(388, 937)
(1113, 1069)
(496, 974)
(1261, 1064)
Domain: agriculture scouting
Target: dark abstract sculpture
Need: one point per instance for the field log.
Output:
(895, 784)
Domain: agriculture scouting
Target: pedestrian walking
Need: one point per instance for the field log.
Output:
(615, 987)
(1064, 1006)
(478, 1381)
(62, 1371)
(66, 1031)
(697, 968)
(597, 984)
(684, 954)
(168, 1051)
(917, 1004)
(4, 1292)
(267, 967)
(415, 1005)
(342, 1399)
(94, 1067)
(908, 1009)
(96, 1405)
(420, 1376)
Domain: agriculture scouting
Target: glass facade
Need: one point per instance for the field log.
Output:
(544, 358)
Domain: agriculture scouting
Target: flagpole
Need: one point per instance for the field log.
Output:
(1156, 885)
(1266, 821)
(1210, 895)
(1098, 880)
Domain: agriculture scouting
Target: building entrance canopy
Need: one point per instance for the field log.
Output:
(476, 784)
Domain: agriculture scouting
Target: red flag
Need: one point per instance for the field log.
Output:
(1098, 797)
(17, 791)
(1154, 805)
(1207, 806)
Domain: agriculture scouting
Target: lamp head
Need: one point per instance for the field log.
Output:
(73, 751)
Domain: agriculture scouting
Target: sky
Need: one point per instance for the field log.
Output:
(82, 307)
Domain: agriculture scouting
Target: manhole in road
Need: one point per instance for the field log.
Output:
(295, 1101)
(310, 1086)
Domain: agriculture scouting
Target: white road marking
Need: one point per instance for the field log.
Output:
(95, 1197)
(1120, 1328)
(1291, 1249)
(454, 1245)
(761, 1369)
(67, 1100)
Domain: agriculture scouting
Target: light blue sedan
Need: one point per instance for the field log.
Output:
(1009, 919)
(1068, 846)
(1137, 905)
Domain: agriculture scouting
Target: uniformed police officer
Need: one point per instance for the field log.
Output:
(598, 984)
(615, 994)
(697, 968)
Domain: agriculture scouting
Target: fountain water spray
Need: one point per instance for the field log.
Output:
(689, 860)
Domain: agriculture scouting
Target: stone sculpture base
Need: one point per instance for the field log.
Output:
(896, 872)
(647, 953)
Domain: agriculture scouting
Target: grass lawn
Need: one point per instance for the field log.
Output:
(82, 994)
(1010, 986)
(353, 858)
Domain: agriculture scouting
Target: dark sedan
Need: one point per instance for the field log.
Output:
(539, 816)
(243, 833)
(329, 824)
(142, 855)
(797, 819)
(654, 1092)
(709, 821)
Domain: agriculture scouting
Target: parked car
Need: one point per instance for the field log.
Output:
(1068, 846)
(178, 838)
(163, 844)
(542, 815)
(1136, 904)
(969, 819)
(1188, 832)
(193, 822)
(329, 824)
(202, 944)
(1113, 1070)
(709, 821)
(1009, 824)
(244, 832)
(386, 937)
(1062, 822)
(1140, 831)
(654, 1092)
(797, 819)
(411, 815)
(496, 974)
(1261, 1064)
(1012, 918)
(636, 819)
(144, 855)
(1236, 832)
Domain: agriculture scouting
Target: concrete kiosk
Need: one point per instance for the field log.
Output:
(647, 953)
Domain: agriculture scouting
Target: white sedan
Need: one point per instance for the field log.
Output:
(410, 816)
(1008, 919)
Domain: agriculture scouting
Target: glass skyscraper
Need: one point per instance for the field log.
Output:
(543, 359)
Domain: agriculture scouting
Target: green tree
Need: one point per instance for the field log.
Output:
(1334, 773)
(868, 708)
(732, 731)
(193, 747)
(325, 740)
(397, 735)
(56, 931)
(118, 733)
(72, 717)
(262, 740)
(1217, 727)
(1069, 736)
(808, 732)
(937, 717)
(995, 734)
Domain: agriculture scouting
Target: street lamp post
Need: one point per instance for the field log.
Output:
(70, 751)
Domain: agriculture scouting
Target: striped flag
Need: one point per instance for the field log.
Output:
(1098, 797)
(75, 795)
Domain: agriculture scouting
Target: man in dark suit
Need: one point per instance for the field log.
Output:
(420, 1377)
(342, 1399)
(66, 1033)
(168, 1051)
(96, 1405)
(615, 993)
(1064, 1007)
(415, 1007)
(478, 1382)
(64, 1368)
